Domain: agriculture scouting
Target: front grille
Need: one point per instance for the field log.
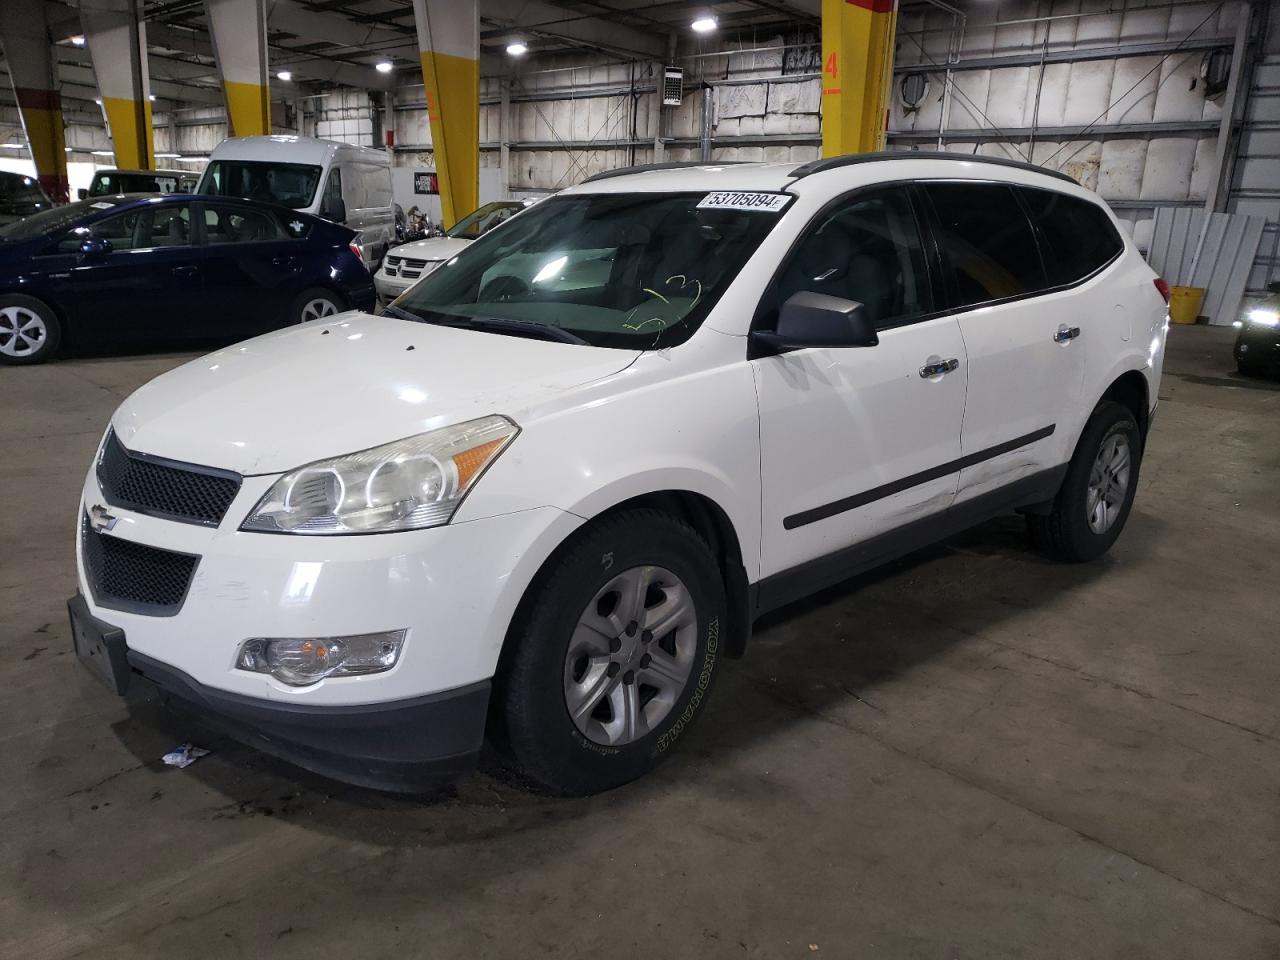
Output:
(124, 575)
(391, 265)
(176, 491)
(412, 269)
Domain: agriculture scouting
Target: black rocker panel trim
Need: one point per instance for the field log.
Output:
(827, 510)
(808, 578)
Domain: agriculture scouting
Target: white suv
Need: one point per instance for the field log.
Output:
(554, 487)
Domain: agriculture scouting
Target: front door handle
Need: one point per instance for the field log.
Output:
(1066, 334)
(937, 368)
(185, 272)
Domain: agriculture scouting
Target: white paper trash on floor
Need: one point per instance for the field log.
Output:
(184, 756)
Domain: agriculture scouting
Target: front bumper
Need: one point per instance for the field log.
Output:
(390, 287)
(408, 746)
(1258, 345)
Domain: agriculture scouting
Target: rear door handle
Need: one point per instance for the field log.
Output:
(283, 261)
(185, 271)
(937, 368)
(1066, 334)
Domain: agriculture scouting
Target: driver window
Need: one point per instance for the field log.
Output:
(120, 230)
(869, 250)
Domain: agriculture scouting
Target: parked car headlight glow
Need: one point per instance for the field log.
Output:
(1264, 318)
(406, 485)
(301, 661)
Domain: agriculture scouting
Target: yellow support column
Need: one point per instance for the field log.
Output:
(857, 72)
(117, 40)
(449, 45)
(239, 32)
(24, 37)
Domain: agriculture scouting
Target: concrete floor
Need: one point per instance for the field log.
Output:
(975, 753)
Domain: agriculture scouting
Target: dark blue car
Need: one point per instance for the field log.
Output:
(151, 269)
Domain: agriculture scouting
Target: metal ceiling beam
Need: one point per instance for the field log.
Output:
(548, 19)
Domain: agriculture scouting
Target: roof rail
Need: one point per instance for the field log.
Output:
(668, 165)
(832, 163)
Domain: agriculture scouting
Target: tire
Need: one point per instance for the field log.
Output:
(29, 330)
(554, 661)
(315, 303)
(1072, 530)
(1250, 369)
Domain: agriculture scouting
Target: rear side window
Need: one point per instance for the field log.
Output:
(239, 225)
(987, 240)
(1078, 235)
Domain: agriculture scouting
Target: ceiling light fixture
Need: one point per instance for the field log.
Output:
(284, 75)
(77, 39)
(151, 97)
(102, 153)
(384, 66)
(704, 24)
(517, 48)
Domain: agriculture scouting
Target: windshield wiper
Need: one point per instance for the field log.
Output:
(523, 328)
(403, 314)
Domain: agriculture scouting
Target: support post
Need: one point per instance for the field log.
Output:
(1214, 199)
(28, 48)
(116, 36)
(449, 46)
(857, 69)
(655, 111)
(238, 29)
(504, 135)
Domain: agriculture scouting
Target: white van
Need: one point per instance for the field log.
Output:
(341, 182)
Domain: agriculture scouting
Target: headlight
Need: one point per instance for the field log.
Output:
(305, 660)
(1264, 318)
(406, 485)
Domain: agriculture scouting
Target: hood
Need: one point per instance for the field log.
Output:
(437, 248)
(356, 381)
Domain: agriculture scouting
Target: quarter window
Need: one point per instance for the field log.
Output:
(1078, 235)
(867, 250)
(987, 241)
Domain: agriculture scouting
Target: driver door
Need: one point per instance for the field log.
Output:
(857, 441)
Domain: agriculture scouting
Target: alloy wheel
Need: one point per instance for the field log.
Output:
(1108, 483)
(317, 308)
(630, 656)
(22, 332)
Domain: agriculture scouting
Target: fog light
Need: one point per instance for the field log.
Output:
(301, 661)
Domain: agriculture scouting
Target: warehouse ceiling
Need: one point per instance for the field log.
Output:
(327, 42)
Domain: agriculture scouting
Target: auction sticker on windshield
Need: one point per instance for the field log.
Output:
(764, 202)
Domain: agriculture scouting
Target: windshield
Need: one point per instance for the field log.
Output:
(483, 220)
(288, 184)
(15, 188)
(637, 271)
(110, 182)
(48, 222)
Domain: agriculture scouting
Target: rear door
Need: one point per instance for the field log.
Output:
(254, 267)
(858, 441)
(1025, 362)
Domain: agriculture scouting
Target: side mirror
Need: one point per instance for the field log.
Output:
(335, 210)
(95, 247)
(816, 320)
(82, 193)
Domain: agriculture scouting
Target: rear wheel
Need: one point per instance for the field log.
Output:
(614, 656)
(315, 304)
(1097, 493)
(29, 330)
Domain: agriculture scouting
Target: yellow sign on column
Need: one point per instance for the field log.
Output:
(449, 45)
(857, 73)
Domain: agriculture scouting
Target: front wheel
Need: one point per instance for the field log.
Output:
(1097, 492)
(614, 655)
(315, 304)
(29, 330)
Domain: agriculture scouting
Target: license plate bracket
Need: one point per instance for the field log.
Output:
(99, 646)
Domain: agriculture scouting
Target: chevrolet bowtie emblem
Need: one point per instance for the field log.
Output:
(100, 519)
